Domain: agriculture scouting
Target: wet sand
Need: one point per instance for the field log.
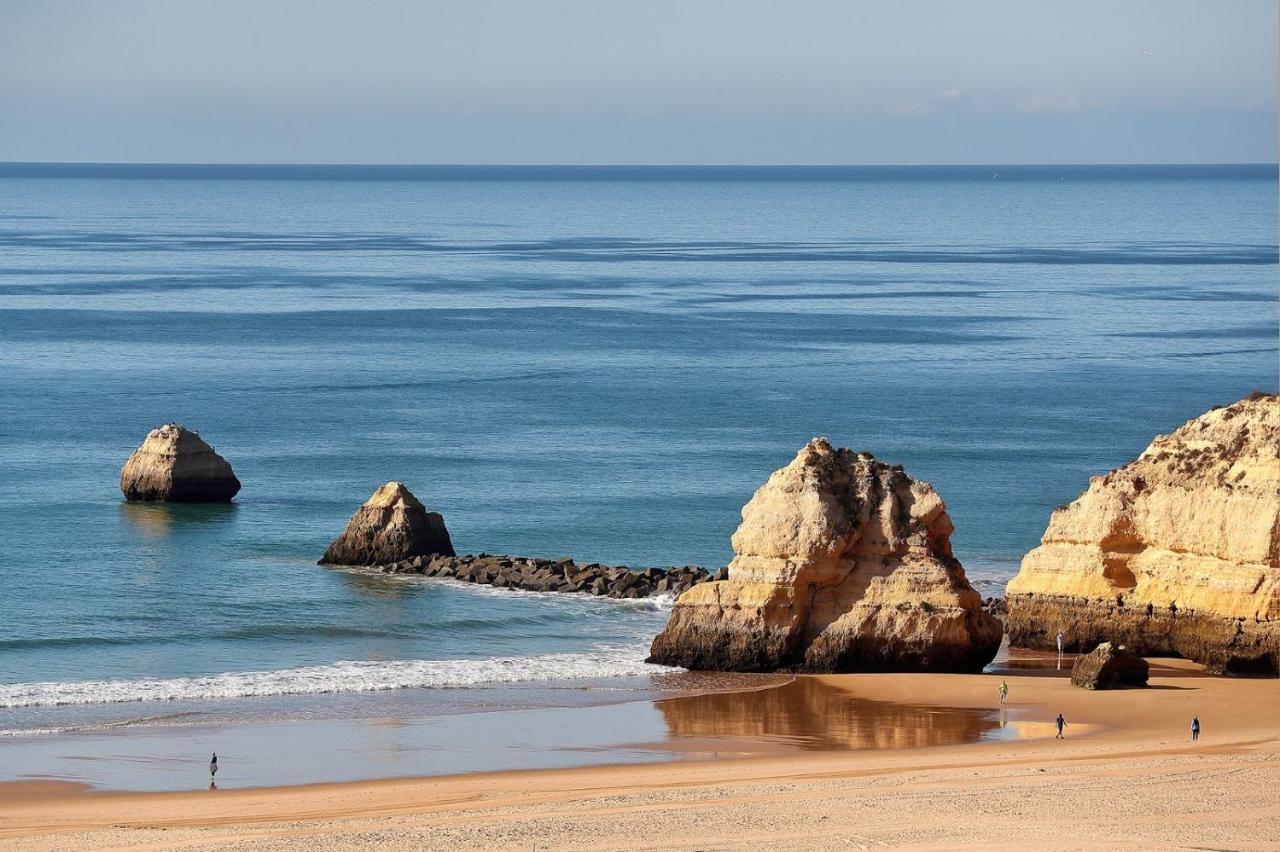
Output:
(764, 714)
(1126, 776)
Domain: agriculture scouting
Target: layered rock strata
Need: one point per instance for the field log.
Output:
(842, 563)
(1109, 667)
(392, 525)
(175, 464)
(1175, 554)
(554, 575)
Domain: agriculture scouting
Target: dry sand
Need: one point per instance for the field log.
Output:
(1126, 777)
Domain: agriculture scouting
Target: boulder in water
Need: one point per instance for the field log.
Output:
(175, 464)
(390, 527)
(843, 563)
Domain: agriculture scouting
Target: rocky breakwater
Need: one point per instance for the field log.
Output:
(1175, 554)
(175, 464)
(842, 563)
(392, 525)
(554, 575)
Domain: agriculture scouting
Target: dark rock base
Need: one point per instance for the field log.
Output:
(202, 491)
(1223, 645)
(554, 575)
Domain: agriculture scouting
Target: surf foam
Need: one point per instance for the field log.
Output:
(342, 676)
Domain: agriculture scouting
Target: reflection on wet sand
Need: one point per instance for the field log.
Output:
(810, 714)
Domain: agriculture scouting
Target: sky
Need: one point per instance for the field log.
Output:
(645, 81)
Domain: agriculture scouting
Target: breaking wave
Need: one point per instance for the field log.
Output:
(342, 676)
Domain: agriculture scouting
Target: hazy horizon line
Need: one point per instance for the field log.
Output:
(683, 165)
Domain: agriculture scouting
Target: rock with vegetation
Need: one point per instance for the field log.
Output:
(842, 563)
(1175, 554)
(391, 526)
(175, 464)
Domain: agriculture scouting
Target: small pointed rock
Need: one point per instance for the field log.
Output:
(391, 526)
(175, 464)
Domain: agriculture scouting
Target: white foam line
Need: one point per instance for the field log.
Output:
(342, 676)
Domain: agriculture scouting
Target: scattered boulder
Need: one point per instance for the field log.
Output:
(1109, 667)
(1175, 554)
(390, 527)
(175, 464)
(842, 563)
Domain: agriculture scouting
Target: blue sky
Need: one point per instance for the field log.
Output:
(564, 81)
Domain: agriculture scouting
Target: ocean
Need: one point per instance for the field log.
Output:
(601, 363)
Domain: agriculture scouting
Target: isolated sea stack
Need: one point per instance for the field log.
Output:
(391, 526)
(842, 563)
(1176, 553)
(175, 464)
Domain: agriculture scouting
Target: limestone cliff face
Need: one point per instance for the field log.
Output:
(175, 464)
(1177, 552)
(843, 563)
(391, 526)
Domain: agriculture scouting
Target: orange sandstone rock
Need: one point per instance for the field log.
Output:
(843, 563)
(1176, 553)
(391, 526)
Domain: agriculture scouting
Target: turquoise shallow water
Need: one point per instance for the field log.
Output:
(598, 363)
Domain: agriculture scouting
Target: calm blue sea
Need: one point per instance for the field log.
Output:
(598, 362)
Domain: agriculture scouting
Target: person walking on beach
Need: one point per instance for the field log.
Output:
(1061, 723)
(1004, 692)
(1195, 729)
(213, 766)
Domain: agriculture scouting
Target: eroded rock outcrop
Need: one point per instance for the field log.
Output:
(1110, 667)
(842, 563)
(175, 464)
(1176, 553)
(391, 526)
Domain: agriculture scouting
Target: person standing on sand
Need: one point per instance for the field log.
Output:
(1061, 641)
(213, 766)
(1061, 723)
(1004, 692)
(1195, 728)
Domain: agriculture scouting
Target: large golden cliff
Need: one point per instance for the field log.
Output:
(1177, 552)
(843, 563)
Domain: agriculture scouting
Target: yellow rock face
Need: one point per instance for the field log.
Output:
(1177, 552)
(843, 563)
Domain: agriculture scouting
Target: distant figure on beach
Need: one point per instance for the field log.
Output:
(1195, 729)
(1061, 723)
(1004, 692)
(213, 766)
(1061, 640)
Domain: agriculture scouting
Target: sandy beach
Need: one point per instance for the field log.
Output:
(1126, 776)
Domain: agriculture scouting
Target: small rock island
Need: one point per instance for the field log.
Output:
(175, 464)
(391, 526)
(842, 563)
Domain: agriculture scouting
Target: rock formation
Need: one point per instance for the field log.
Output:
(175, 464)
(1176, 553)
(842, 563)
(1109, 667)
(391, 526)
